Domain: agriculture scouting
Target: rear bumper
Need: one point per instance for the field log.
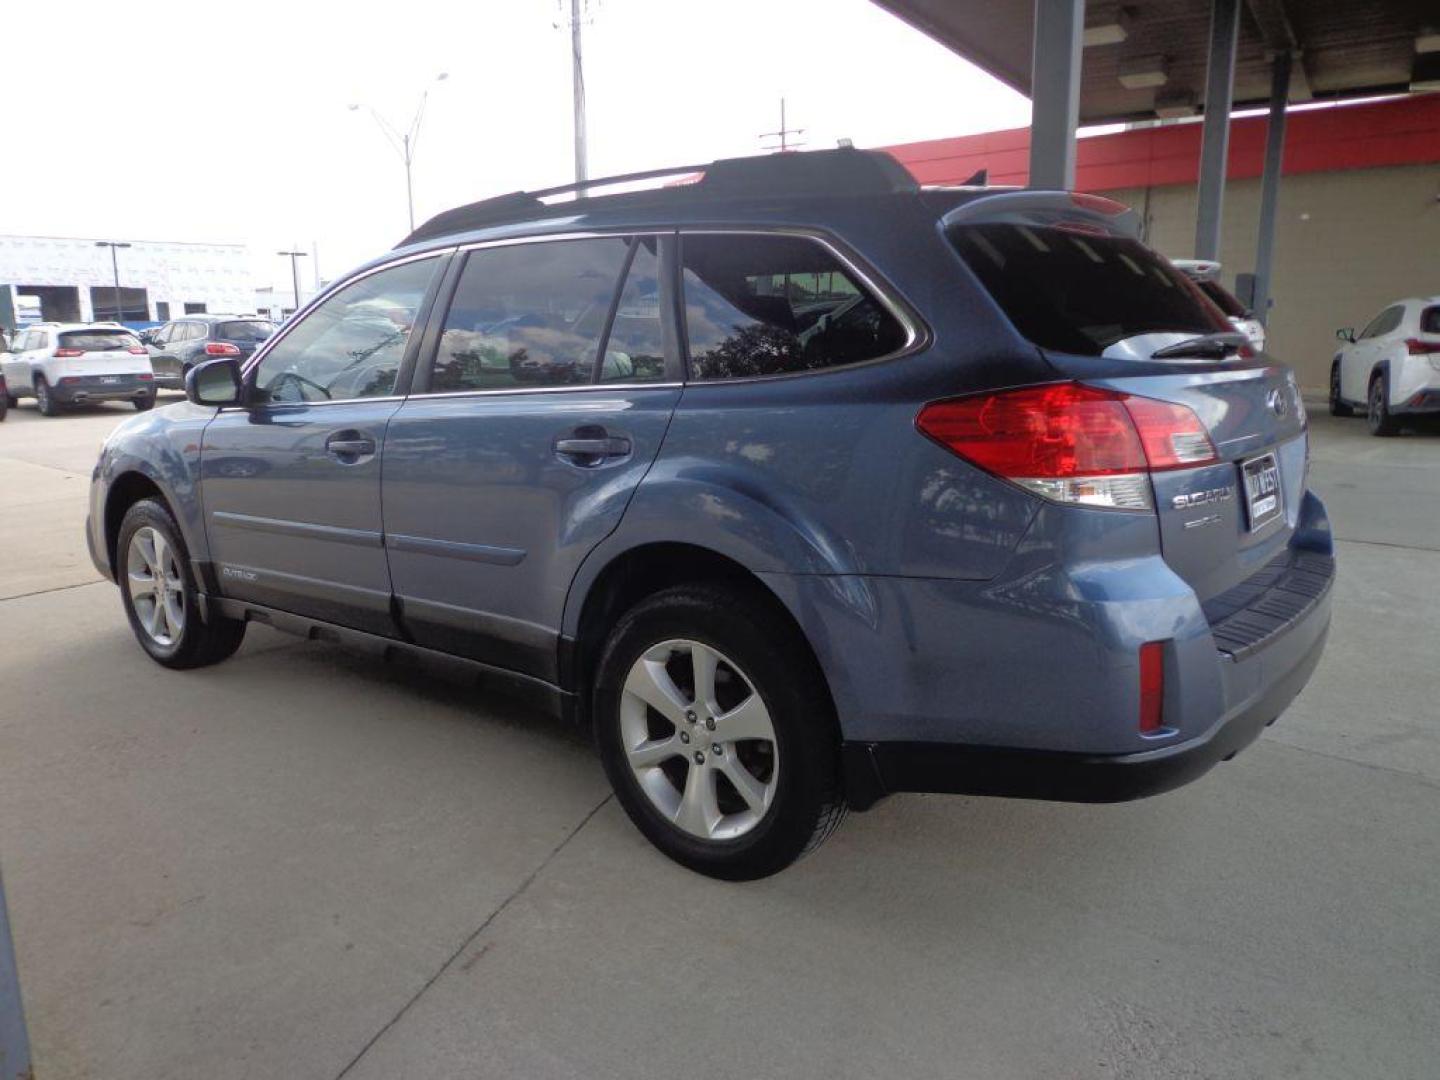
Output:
(127, 388)
(873, 770)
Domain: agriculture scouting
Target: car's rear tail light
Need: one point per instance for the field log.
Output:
(145, 376)
(1071, 443)
(220, 348)
(1152, 687)
(137, 350)
(69, 380)
(1416, 347)
(61, 353)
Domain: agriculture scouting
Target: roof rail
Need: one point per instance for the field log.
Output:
(817, 173)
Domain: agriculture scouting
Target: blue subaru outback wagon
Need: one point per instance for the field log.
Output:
(796, 482)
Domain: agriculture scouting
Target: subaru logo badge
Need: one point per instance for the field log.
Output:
(1277, 402)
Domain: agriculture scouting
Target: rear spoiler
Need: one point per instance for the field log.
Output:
(1087, 213)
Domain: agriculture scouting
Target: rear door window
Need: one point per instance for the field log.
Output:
(99, 340)
(1081, 291)
(760, 305)
(527, 316)
(1430, 321)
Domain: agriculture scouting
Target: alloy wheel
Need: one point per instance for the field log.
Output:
(156, 585)
(699, 740)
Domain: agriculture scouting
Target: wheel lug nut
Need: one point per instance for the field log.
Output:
(684, 736)
(699, 757)
(715, 747)
(690, 715)
(709, 723)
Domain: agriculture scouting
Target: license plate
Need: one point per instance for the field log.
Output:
(1263, 500)
(109, 378)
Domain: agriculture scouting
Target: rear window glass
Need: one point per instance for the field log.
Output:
(1430, 321)
(1081, 292)
(244, 331)
(1222, 299)
(98, 340)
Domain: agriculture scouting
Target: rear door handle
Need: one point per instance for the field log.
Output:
(350, 444)
(609, 446)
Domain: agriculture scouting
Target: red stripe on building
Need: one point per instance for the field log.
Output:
(1403, 131)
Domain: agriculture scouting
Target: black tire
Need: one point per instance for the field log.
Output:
(200, 641)
(1378, 416)
(4, 405)
(144, 404)
(11, 401)
(750, 632)
(44, 400)
(1337, 406)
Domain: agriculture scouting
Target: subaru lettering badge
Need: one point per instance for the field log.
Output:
(1276, 400)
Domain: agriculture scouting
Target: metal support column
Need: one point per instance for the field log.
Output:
(1215, 147)
(14, 1043)
(1270, 182)
(1055, 92)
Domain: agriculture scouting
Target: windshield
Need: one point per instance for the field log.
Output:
(1079, 291)
(250, 330)
(99, 340)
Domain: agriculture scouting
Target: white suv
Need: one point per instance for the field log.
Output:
(62, 364)
(1392, 370)
(1206, 274)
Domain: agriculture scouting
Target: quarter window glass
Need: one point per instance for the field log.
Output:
(529, 315)
(350, 346)
(635, 349)
(769, 305)
(1430, 321)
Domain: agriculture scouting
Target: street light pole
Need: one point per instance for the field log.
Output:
(115, 267)
(577, 77)
(295, 272)
(405, 141)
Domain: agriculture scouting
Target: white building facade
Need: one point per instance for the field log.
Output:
(65, 279)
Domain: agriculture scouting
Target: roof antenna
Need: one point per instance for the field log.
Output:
(783, 134)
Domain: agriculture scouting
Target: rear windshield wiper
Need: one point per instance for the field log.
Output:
(1208, 346)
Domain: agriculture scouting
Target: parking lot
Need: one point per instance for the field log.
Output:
(301, 864)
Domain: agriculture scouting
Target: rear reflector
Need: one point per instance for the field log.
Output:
(137, 350)
(1152, 687)
(69, 352)
(1071, 443)
(145, 376)
(1416, 347)
(220, 348)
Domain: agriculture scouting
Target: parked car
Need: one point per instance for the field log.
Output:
(799, 486)
(61, 364)
(1392, 370)
(178, 346)
(1206, 274)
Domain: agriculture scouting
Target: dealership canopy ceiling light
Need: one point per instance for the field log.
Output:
(1143, 72)
(1107, 27)
(1425, 43)
(1175, 104)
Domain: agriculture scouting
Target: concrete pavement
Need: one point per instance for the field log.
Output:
(301, 864)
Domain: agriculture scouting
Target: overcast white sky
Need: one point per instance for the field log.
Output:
(212, 121)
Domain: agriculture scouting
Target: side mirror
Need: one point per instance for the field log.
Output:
(1346, 333)
(214, 383)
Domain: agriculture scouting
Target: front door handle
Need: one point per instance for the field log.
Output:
(350, 446)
